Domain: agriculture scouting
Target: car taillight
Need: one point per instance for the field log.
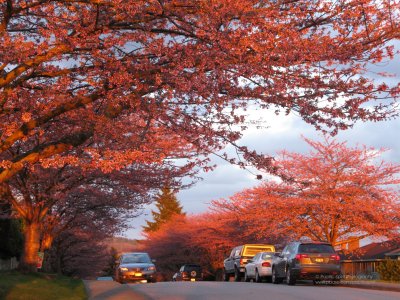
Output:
(300, 256)
(184, 274)
(266, 264)
(335, 257)
(241, 261)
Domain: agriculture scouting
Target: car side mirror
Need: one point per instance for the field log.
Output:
(153, 260)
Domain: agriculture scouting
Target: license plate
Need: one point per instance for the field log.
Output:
(192, 279)
(138, 274)
(319, 260)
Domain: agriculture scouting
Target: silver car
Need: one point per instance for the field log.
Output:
(259, 267)
(135, 267)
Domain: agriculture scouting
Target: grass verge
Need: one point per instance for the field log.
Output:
(39, 286)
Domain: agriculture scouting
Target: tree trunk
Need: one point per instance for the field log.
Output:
(46, 266)
(58, 259)
(29, 257)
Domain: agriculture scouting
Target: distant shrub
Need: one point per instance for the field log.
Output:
(389, 270)
(111, 265)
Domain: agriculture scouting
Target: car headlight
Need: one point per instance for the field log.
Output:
(123, 269)
(152, 268)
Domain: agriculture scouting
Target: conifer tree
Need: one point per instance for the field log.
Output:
(168, 206)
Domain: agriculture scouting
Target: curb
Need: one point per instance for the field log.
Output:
(87, 290)
(393, 287)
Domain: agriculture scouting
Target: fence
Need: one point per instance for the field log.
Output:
(361, 269)
(8, 264)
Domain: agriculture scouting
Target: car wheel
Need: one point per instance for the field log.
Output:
(290, 279)
(275, 278)
(225, 276)
(246, 278)
(237, 275)
(258, 277)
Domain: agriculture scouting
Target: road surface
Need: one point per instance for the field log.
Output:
(249, 291)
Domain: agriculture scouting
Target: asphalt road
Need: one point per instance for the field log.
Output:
(253, 291)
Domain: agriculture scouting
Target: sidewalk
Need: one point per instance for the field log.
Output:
(373, 285)
(111, 290)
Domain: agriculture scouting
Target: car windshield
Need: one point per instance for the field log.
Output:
(267, 256)
(316, 248)
(253, 250)
(189, 268)
(135, 258)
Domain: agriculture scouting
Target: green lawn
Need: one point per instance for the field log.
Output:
(19, 286)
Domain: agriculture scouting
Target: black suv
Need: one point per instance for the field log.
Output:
(317, 261)
(188, 272)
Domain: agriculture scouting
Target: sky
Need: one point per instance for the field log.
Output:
(281, 133)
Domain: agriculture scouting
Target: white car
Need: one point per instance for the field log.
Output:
(259, 267)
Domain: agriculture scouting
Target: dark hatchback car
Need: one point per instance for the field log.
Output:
(316, 261)
(189, 272)
(135, 267)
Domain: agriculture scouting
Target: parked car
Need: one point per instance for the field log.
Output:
(235, 264)
(317, 261)
(188, 272)
(133, 267)
(259, 267)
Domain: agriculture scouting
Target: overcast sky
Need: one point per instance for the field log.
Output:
(284, 132)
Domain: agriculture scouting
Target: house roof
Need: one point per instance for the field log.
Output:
(372, 251)
(394, 252)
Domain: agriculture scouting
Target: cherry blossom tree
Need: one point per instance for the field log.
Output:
(49, 200)
(115, 78)
(101, 84)
(333, 193)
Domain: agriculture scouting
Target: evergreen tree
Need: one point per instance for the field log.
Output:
(168, 206)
